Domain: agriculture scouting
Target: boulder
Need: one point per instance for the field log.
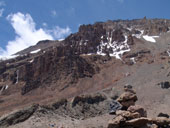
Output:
(127, 99)
(163, 115)
(116, 122)
(127, 96)
(127, 104)
(138, 122)
(165, 85)
(128, 115)
(139, 109)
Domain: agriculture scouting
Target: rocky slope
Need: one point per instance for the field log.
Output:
(98, 57)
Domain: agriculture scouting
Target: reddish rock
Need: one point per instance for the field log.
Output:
(139, 109)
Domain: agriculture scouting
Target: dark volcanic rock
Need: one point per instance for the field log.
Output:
(165, 85)
(56, 67)
(90, 99)
(163, 115)
(87, 39)
(114, 106)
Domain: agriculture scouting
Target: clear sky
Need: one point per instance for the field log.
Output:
(24, 22)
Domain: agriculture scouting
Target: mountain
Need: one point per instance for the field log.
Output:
(102, 57)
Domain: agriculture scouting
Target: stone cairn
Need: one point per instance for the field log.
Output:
(129, 115)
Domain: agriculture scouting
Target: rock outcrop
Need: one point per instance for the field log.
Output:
(90, 99)
(17, 117)
(91, 59)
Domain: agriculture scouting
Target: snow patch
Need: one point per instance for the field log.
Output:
(168, 52)
(133, 60)
(150, 38)
(130, 29)
(6, 87)
(90, 54)
(17, 77)
(116, 49)
(35, 51)
(31, 61)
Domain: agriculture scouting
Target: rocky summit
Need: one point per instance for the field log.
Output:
(78, 81)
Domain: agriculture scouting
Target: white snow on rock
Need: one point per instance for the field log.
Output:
(116, 49)
(150, 38)
(31, 61)
(6, 87)
(168, 52)
(35, 51)
(138, 35)
(133, 60)
(130, 29)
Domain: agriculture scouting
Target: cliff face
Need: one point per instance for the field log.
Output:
(93, 58)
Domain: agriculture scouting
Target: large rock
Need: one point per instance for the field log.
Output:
(139, 109)
(127, 99)
(128, 115)
(127, 96)
(163, 115)
(116, 122)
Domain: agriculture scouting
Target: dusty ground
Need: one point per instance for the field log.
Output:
(64, 122)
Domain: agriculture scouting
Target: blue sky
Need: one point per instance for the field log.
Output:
(24, 22)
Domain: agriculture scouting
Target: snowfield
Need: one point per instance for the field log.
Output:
(150, 38)
(35, 51)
